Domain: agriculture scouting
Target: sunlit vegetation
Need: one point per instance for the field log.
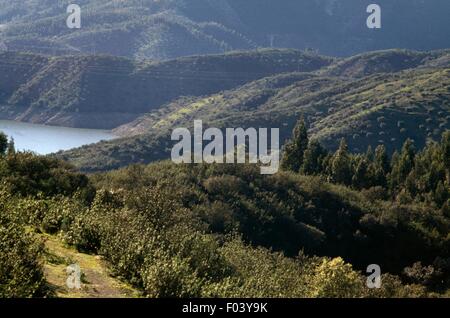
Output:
(381, 98)
(227, 231)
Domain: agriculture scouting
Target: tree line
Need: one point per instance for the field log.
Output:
(407, 176)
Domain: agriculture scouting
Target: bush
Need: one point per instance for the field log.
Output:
(375, 193)
(170, 277)
(21, 273)
(335, 279)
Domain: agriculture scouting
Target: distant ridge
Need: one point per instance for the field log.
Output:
(168, 29)
(105, 92)
(406, 96)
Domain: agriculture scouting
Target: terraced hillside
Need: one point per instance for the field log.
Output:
(364, 106)
(105, 92)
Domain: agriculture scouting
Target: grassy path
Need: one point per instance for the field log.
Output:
(96, 281)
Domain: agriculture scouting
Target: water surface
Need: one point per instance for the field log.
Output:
(44, 139)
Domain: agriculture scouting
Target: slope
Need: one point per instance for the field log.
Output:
(96, 282)
(379, 108)
(167, 29)
(105, 92)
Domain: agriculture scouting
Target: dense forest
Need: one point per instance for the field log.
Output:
(228, 231)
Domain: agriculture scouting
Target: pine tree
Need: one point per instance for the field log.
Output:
(407, 156)
(3, 143)
(341, 171)
(295, 148)
(369, 153)
(382, 159)
(445, 144)
(402, 165)
(380, 167)
(361, 178)
(313, 159)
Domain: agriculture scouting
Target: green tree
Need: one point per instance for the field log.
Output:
(361, 177)
(369, 153)
(382, 159)
(402, 166)
(336, 279)
(3, 143)
(313, 158)
(295, 148)
(445, 143)
(380, 167)
(340, 166)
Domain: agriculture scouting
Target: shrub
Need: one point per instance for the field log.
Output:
(170, 277)
(336, 279)
(21, 273)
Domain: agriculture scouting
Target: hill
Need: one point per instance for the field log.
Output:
(167, 29)
(220, 231)
(105, 92)
(367, 106)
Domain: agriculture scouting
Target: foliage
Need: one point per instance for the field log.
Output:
(295, 149)
(335, 279)
(21, 272)
(224, 230)
(405, 101)
(408, 176)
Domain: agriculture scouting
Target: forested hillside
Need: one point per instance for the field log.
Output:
(375, 98)
(355, 203)
(227, 231)
(172, 28)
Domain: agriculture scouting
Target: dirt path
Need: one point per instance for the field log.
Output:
(96, 281)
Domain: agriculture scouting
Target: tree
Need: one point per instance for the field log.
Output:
(335, 278)
(361, 178)
(402, 165)
(380, 167)
(313, 159)
(369, 153)
(295, 148)
(340, 166)
(3, 143)
(382, 159)
(446, 152)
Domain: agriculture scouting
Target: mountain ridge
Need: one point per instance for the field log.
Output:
(379, 108)
(168, 29)
(105, 92)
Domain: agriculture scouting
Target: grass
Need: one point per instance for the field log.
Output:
(96, 279)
